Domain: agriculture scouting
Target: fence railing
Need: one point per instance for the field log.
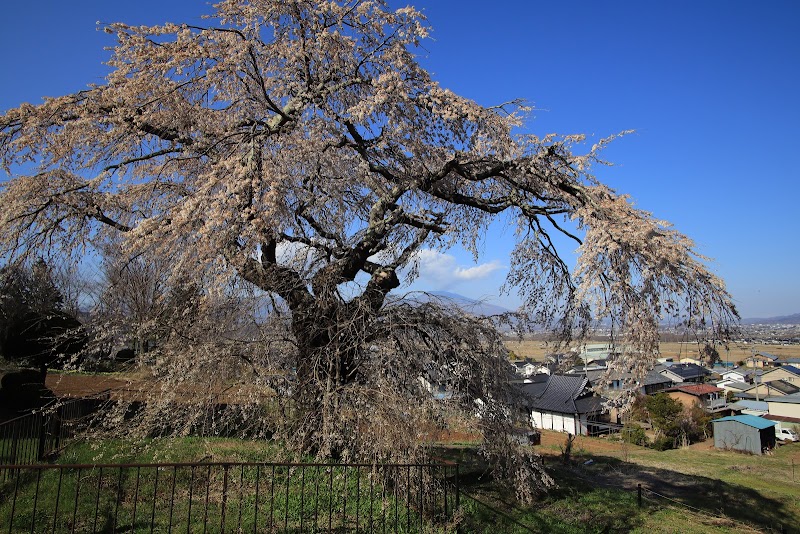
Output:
(716, 404)
(30, 438)
(227, 497)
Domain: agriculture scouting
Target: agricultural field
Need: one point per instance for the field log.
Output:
(736, 352)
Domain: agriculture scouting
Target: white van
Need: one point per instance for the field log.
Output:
(786, 434)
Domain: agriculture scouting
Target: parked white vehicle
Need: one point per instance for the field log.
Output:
(786, 434)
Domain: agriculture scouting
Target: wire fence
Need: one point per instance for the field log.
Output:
(228, 497)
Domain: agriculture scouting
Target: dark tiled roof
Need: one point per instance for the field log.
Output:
(787, 388)
(653, 378)
(686, 370)
(561, 393)
(533, 390)
(589, 404)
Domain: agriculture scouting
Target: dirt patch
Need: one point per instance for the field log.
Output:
(552, 441)
(78, 385)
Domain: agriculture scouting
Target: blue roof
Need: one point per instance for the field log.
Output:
(791, 369)
(749, 420)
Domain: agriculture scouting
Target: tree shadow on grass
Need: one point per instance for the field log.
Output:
(601, 496)
(663, 487)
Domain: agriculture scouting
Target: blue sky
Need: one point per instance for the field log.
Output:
(711, 89)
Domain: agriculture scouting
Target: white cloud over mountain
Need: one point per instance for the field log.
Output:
(443, 270)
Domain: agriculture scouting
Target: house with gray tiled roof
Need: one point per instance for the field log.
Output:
(652, 382)
(533, 386)
(761, 390)
(567, 404)
(685, 372)
(761, 359)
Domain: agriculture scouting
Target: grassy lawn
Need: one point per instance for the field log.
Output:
(220, 494)
(694, 490)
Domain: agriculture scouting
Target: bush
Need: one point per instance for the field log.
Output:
(663, 443)
(634, 434)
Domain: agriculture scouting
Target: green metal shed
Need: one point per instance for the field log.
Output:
(747, 433)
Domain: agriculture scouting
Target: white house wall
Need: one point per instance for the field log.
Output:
(558, 422)
(784, 409)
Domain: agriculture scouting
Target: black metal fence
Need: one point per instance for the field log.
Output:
(227, 497)
(30, 438)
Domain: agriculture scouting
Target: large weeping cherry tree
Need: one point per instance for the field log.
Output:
(298, 149)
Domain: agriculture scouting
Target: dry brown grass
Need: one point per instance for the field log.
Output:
(537, 350)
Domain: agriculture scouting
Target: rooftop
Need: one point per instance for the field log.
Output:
(686, 370)
(788, 399)
(749, 405)
(697, 389)
(561, 393)
(749, 420)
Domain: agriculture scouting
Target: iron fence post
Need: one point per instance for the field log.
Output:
(458, 489)
(43, 424)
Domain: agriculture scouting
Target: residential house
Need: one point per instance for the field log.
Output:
(761, 390)
(567, 404)
(773, 388)
(651, 384)
(596, 351)
(787, 373)
(761, 359)
(534, 385)
(784, 405)
(738, 390)
(654, 382)
(554, 362)
(681, 373)
(525, 368)
(739, 374)
(710, 398)
(747, 433)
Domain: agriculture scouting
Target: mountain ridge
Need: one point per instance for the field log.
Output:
(780, 319)
(484, 308)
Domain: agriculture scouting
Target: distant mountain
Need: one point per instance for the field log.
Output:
(782, 319)
(471, 306)
(482, 308)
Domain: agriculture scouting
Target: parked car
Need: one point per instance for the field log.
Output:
(786, 434)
